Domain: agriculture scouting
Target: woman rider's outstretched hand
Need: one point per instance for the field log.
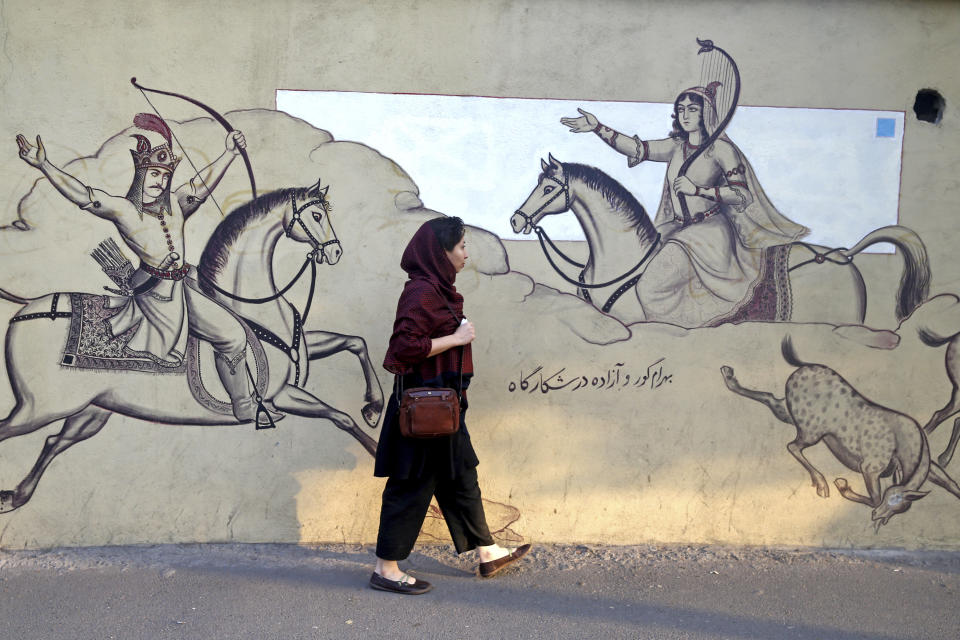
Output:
(465, 333)
(585, 123)
(34, 156)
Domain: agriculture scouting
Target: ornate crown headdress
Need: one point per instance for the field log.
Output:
(709, 92)
(145, 156)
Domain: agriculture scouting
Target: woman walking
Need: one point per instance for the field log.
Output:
(430, 347)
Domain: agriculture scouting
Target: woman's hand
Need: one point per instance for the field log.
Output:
(683, 185)
(462, 336)
(465, 333)
(584, 124)
(34, 156)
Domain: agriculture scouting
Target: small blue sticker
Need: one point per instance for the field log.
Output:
(886, 127)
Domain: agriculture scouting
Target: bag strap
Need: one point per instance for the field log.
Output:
(460, 368)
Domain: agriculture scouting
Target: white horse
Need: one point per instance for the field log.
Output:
(236, 264)
(623, 242)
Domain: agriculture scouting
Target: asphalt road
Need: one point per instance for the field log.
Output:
(290, 592)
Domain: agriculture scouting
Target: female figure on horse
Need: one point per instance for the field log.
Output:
(712, 252)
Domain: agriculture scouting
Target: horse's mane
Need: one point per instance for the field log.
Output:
(616, 195)
(217, 250)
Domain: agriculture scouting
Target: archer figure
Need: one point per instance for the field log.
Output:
(158, 310)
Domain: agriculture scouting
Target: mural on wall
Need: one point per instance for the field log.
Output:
(65, 356)
(869, 438)
(718, 250)
(676, 276)
(81, 357)
(798, 152)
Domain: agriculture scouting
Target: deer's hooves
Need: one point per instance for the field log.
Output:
(823, 490)
(8, 501)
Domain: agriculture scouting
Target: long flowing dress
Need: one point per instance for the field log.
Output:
(708, 269)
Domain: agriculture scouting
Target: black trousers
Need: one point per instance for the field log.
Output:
(405, 504)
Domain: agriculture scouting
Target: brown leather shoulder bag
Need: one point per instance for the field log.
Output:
(430, 412)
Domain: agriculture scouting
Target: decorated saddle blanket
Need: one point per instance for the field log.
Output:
(769, 298)
(91, 344)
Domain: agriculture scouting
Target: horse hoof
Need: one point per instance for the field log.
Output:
(371, 414)
(7, 502)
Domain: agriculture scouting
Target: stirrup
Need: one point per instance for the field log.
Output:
(264, 418)
(268, 421)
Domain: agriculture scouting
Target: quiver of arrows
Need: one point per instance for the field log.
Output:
(116, 265)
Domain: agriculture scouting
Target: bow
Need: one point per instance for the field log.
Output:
(216, 116)
(707, 46)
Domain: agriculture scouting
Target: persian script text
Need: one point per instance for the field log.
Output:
(617, 378)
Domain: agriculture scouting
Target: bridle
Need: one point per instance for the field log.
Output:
(580, 283)
(310, 258)
(564, 189)
(296, 218)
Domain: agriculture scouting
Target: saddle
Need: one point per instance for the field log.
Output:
(769, 298)
(90, 344)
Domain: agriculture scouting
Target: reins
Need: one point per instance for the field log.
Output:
(543, 236)
(545, 240)
(292, 351)
(310, 259)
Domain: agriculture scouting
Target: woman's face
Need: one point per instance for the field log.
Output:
(458, 255)
(689, 115)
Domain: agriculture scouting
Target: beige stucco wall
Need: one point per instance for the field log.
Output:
(687, 462)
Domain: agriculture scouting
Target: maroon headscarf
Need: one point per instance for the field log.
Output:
(429, 307)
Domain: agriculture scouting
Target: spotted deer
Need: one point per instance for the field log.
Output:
(868, 438)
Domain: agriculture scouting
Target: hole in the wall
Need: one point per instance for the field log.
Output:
(929, 105)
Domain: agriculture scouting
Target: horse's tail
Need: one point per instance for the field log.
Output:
(915, 281)
(6, 295)
(786, 348)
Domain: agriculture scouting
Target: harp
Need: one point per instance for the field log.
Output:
(718, 67)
